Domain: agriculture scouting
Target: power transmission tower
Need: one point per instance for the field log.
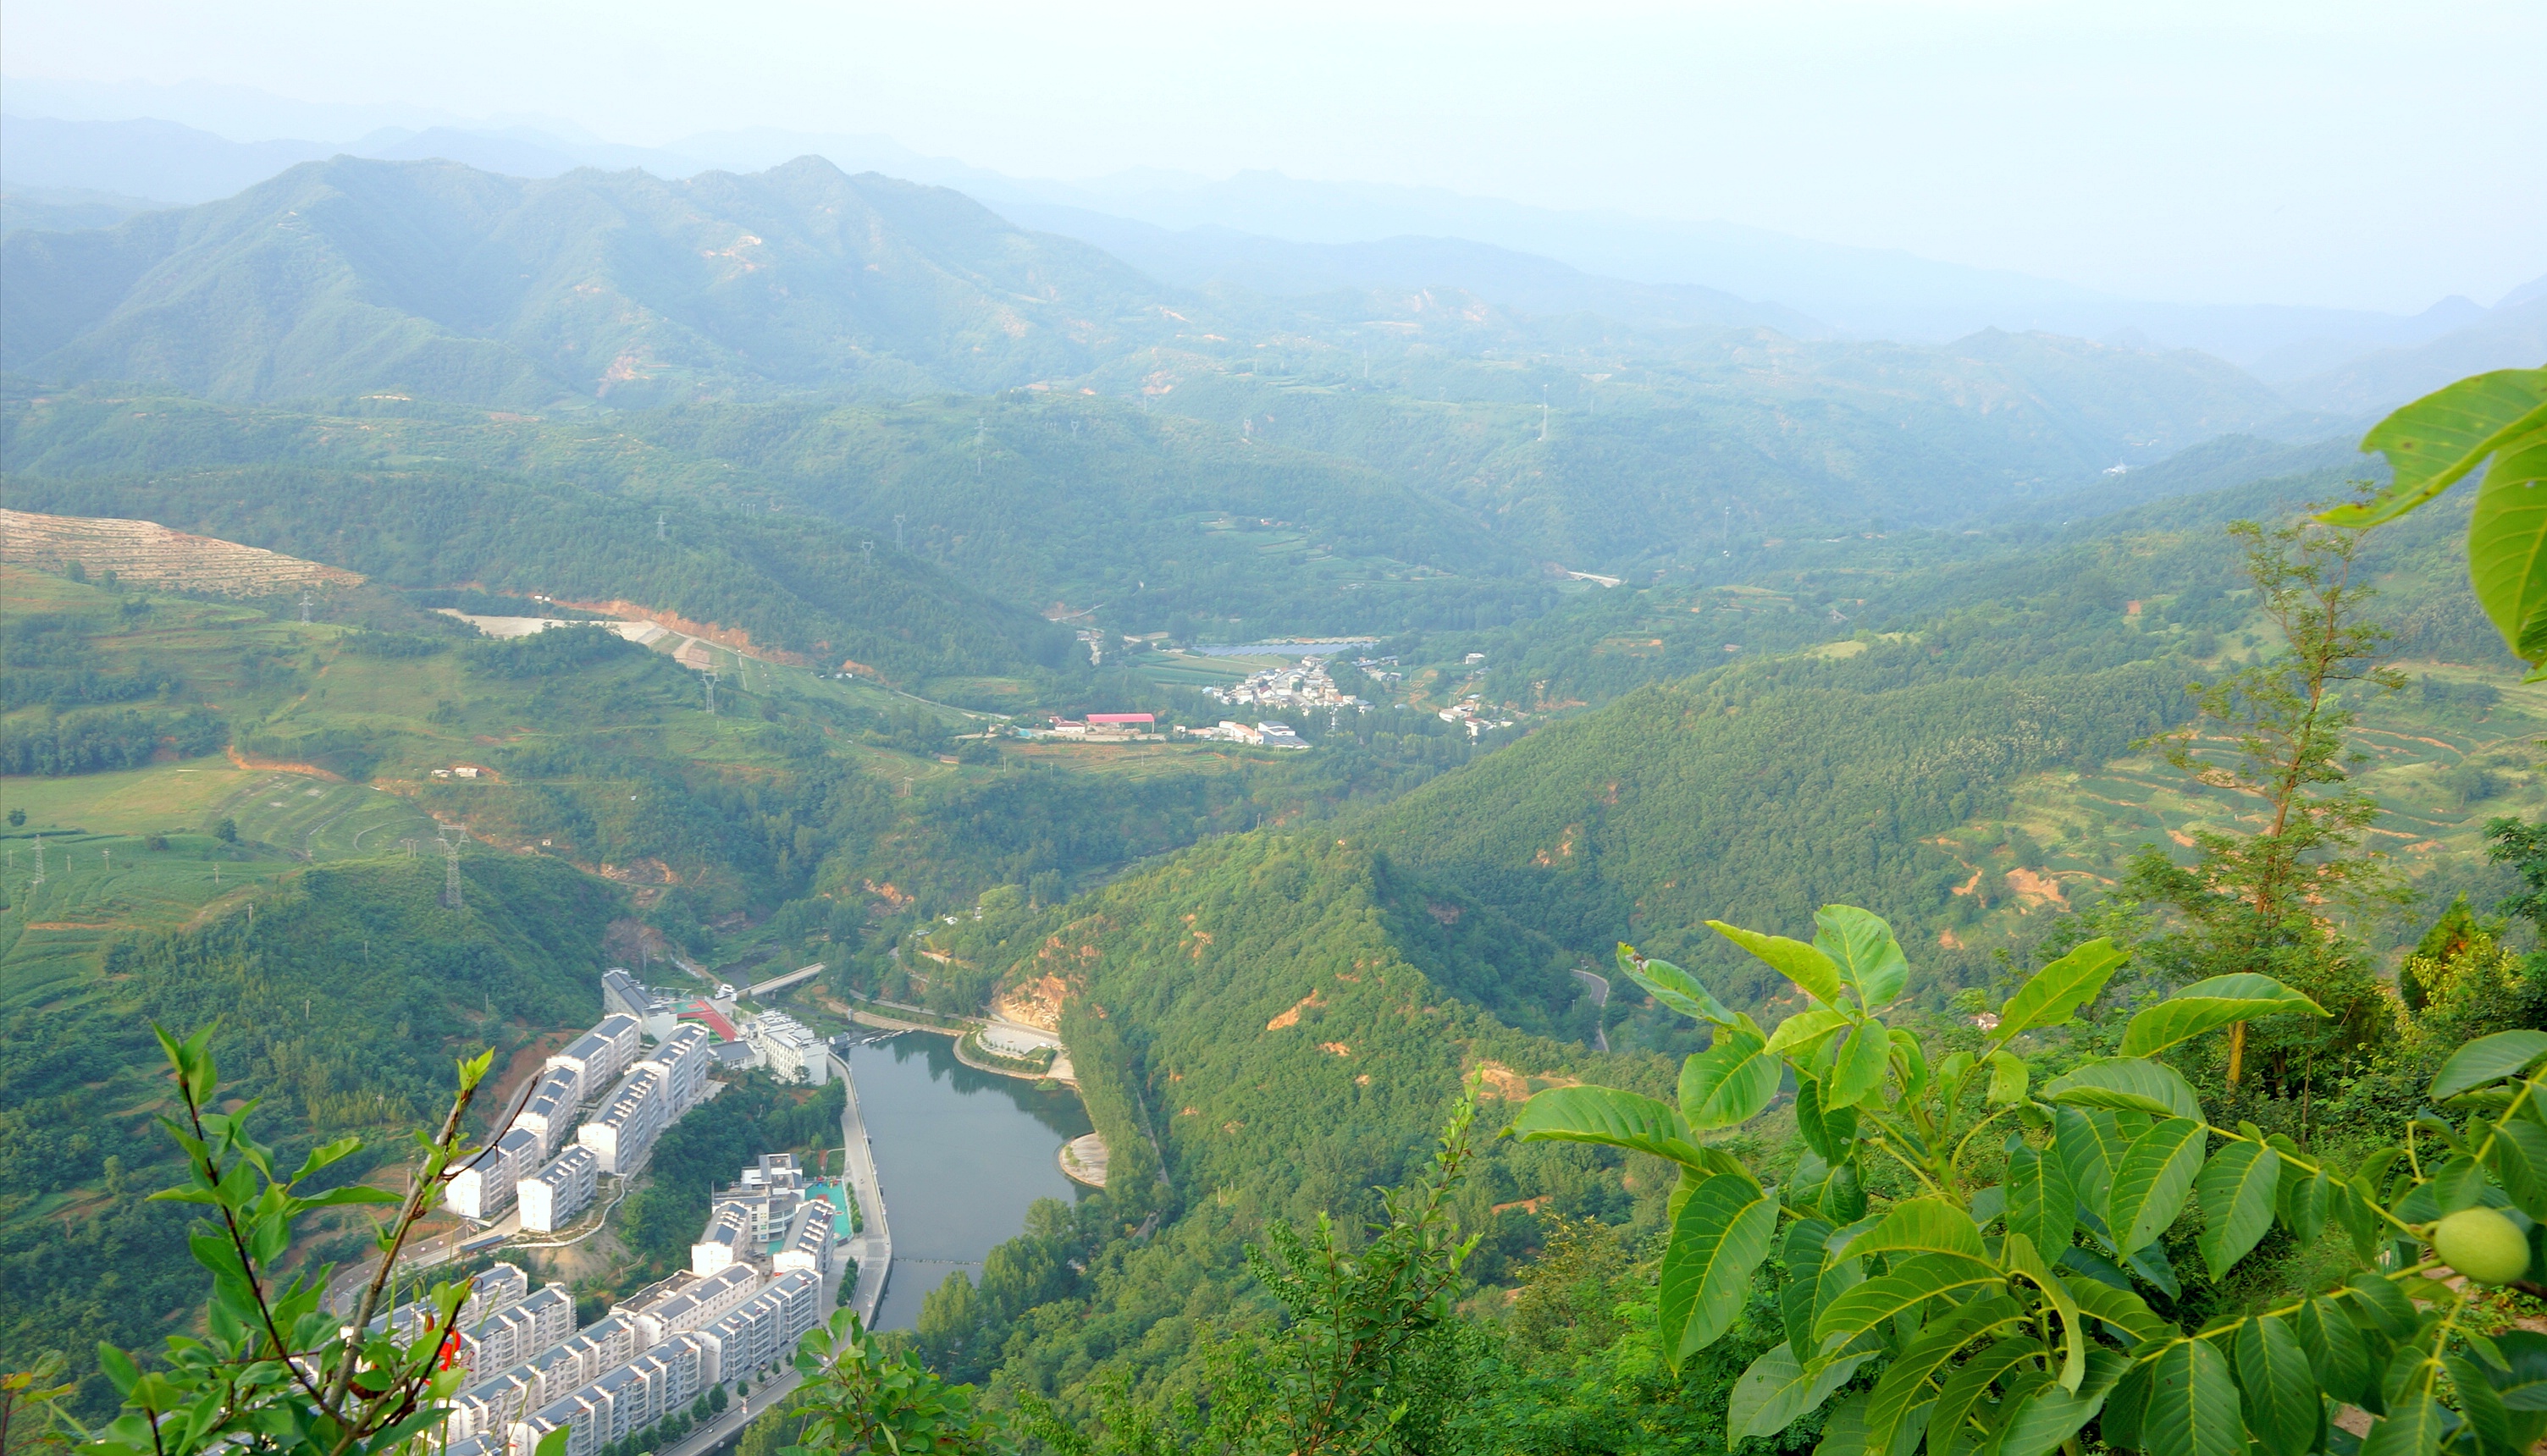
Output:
(981, 430)
(897, 533)
(451, 871)
(659, 526)
(866, 553)
(38, 882)
(1543, 414)
(712, 682)
(307, 602)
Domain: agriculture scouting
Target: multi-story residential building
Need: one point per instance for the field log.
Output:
(485, 1187)
(519, 1331)
(807, 1245)
(726, 1240)
(496, 1286)
(603, 1053)
(623, 1130)
(790, 1051)
(694, 1304)
(684, 1059)
(549, 1112)
(552, 1197)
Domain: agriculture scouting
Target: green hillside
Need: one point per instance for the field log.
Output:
(348, 276)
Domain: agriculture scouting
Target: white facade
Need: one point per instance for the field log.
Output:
(520, 1331)
(726, 1240)
(696, 1305)
(808, 1247)
(484, 1188)
(553, 1196)
(623, 1132)
(792, 1053)
(605, 1052)
(548, 1113)
(683, 1060)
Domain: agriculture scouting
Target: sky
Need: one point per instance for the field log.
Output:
(2360, 155)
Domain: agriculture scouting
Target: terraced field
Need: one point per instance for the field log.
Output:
(2440, 762)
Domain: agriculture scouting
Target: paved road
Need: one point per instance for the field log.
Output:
(1600, 984)
(872, 1248)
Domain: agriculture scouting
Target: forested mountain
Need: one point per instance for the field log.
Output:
(349, 276)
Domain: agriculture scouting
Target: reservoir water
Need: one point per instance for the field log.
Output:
(960, 1155)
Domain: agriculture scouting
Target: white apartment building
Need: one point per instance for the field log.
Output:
(807, 1246)
(552, 1197)
(726, 1240)
(695, 1305)
(623, 1132)
(603, 1053)
(484, 1188)
(792, 1053)
(519, 1331)
(548, 1113)
(684, 1059)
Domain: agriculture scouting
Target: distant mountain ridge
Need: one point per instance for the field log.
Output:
(349, 276)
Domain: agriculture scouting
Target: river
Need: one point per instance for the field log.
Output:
(960, 1155)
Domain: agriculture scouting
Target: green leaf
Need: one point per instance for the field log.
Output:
(2281, 1395)
(2055, 994)
(1805, 965)
(2019, 1255)
(1844, 1433)
(1731, 1081)
(2305, 1196)
(2235, 1192)
(2506, 545)
(1801, 1251)
(1827, 1131)
(2489, 1059)
(1673, 986)
(2193, 1406)
(1777, 1390)
(2150, 1184)
(2434, 442)
(2207, 1005)
(2125, 1410)
(554, 1443)
(2379, 1302)
(2041, 1418)
(1861, 1066)
(2479, 1402)
(1921, 1226)
(1868, 958)
(2336, 1352)
(1906, 1379)
(2414, 1428)
(1721, 1234)
(2089, 1145)
(1607, 1116)
(1796, 1035)
(1878, 1300)
(2008, 1080)
(2126, 1085)
(2520, 1157)
(1964, 1388)
(2120, 1308)
(2041, 1204)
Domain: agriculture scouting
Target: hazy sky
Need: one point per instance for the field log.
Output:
(2226, 150)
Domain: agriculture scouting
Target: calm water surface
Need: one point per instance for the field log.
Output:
(961, 1154)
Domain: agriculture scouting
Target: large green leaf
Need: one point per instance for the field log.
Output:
(1860, 1070)
(1719, 1236)
(2008, 1074)
(2018, 1253)
(1608, 1116)
(1868, 958)
(1798, 1034)
(2055, 994)
(2336, 1351)
(1964, 1388)
(2193, 1408)
(2434, 442)
(1906, 1381)
(2120, 1308)
(1827, 1131)
(2489, 1059)
(2507, 545)
(2150, 1184)
(2041, 1418)
(1731, 1081)
(2041, 1204)
(2281, 1393)
(2089, 1145)
(2414, 1428)
(2235, 1192)
(2126, 1084)
(1673, 986)
(2207, 1005)
(2520, 1157)
(1805, 965)
(1922, 1226)
(1844, 1433)
(1878, 1300)
(1778, 1388)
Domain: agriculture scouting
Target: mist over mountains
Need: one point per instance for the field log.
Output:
(1284, 236)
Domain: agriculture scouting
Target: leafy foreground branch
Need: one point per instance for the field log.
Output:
(2002, 1313)
(276, 1371)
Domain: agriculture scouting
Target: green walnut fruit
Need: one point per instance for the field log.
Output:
(2483, 1245)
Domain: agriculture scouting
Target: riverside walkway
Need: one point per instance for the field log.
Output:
(871, 1248)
